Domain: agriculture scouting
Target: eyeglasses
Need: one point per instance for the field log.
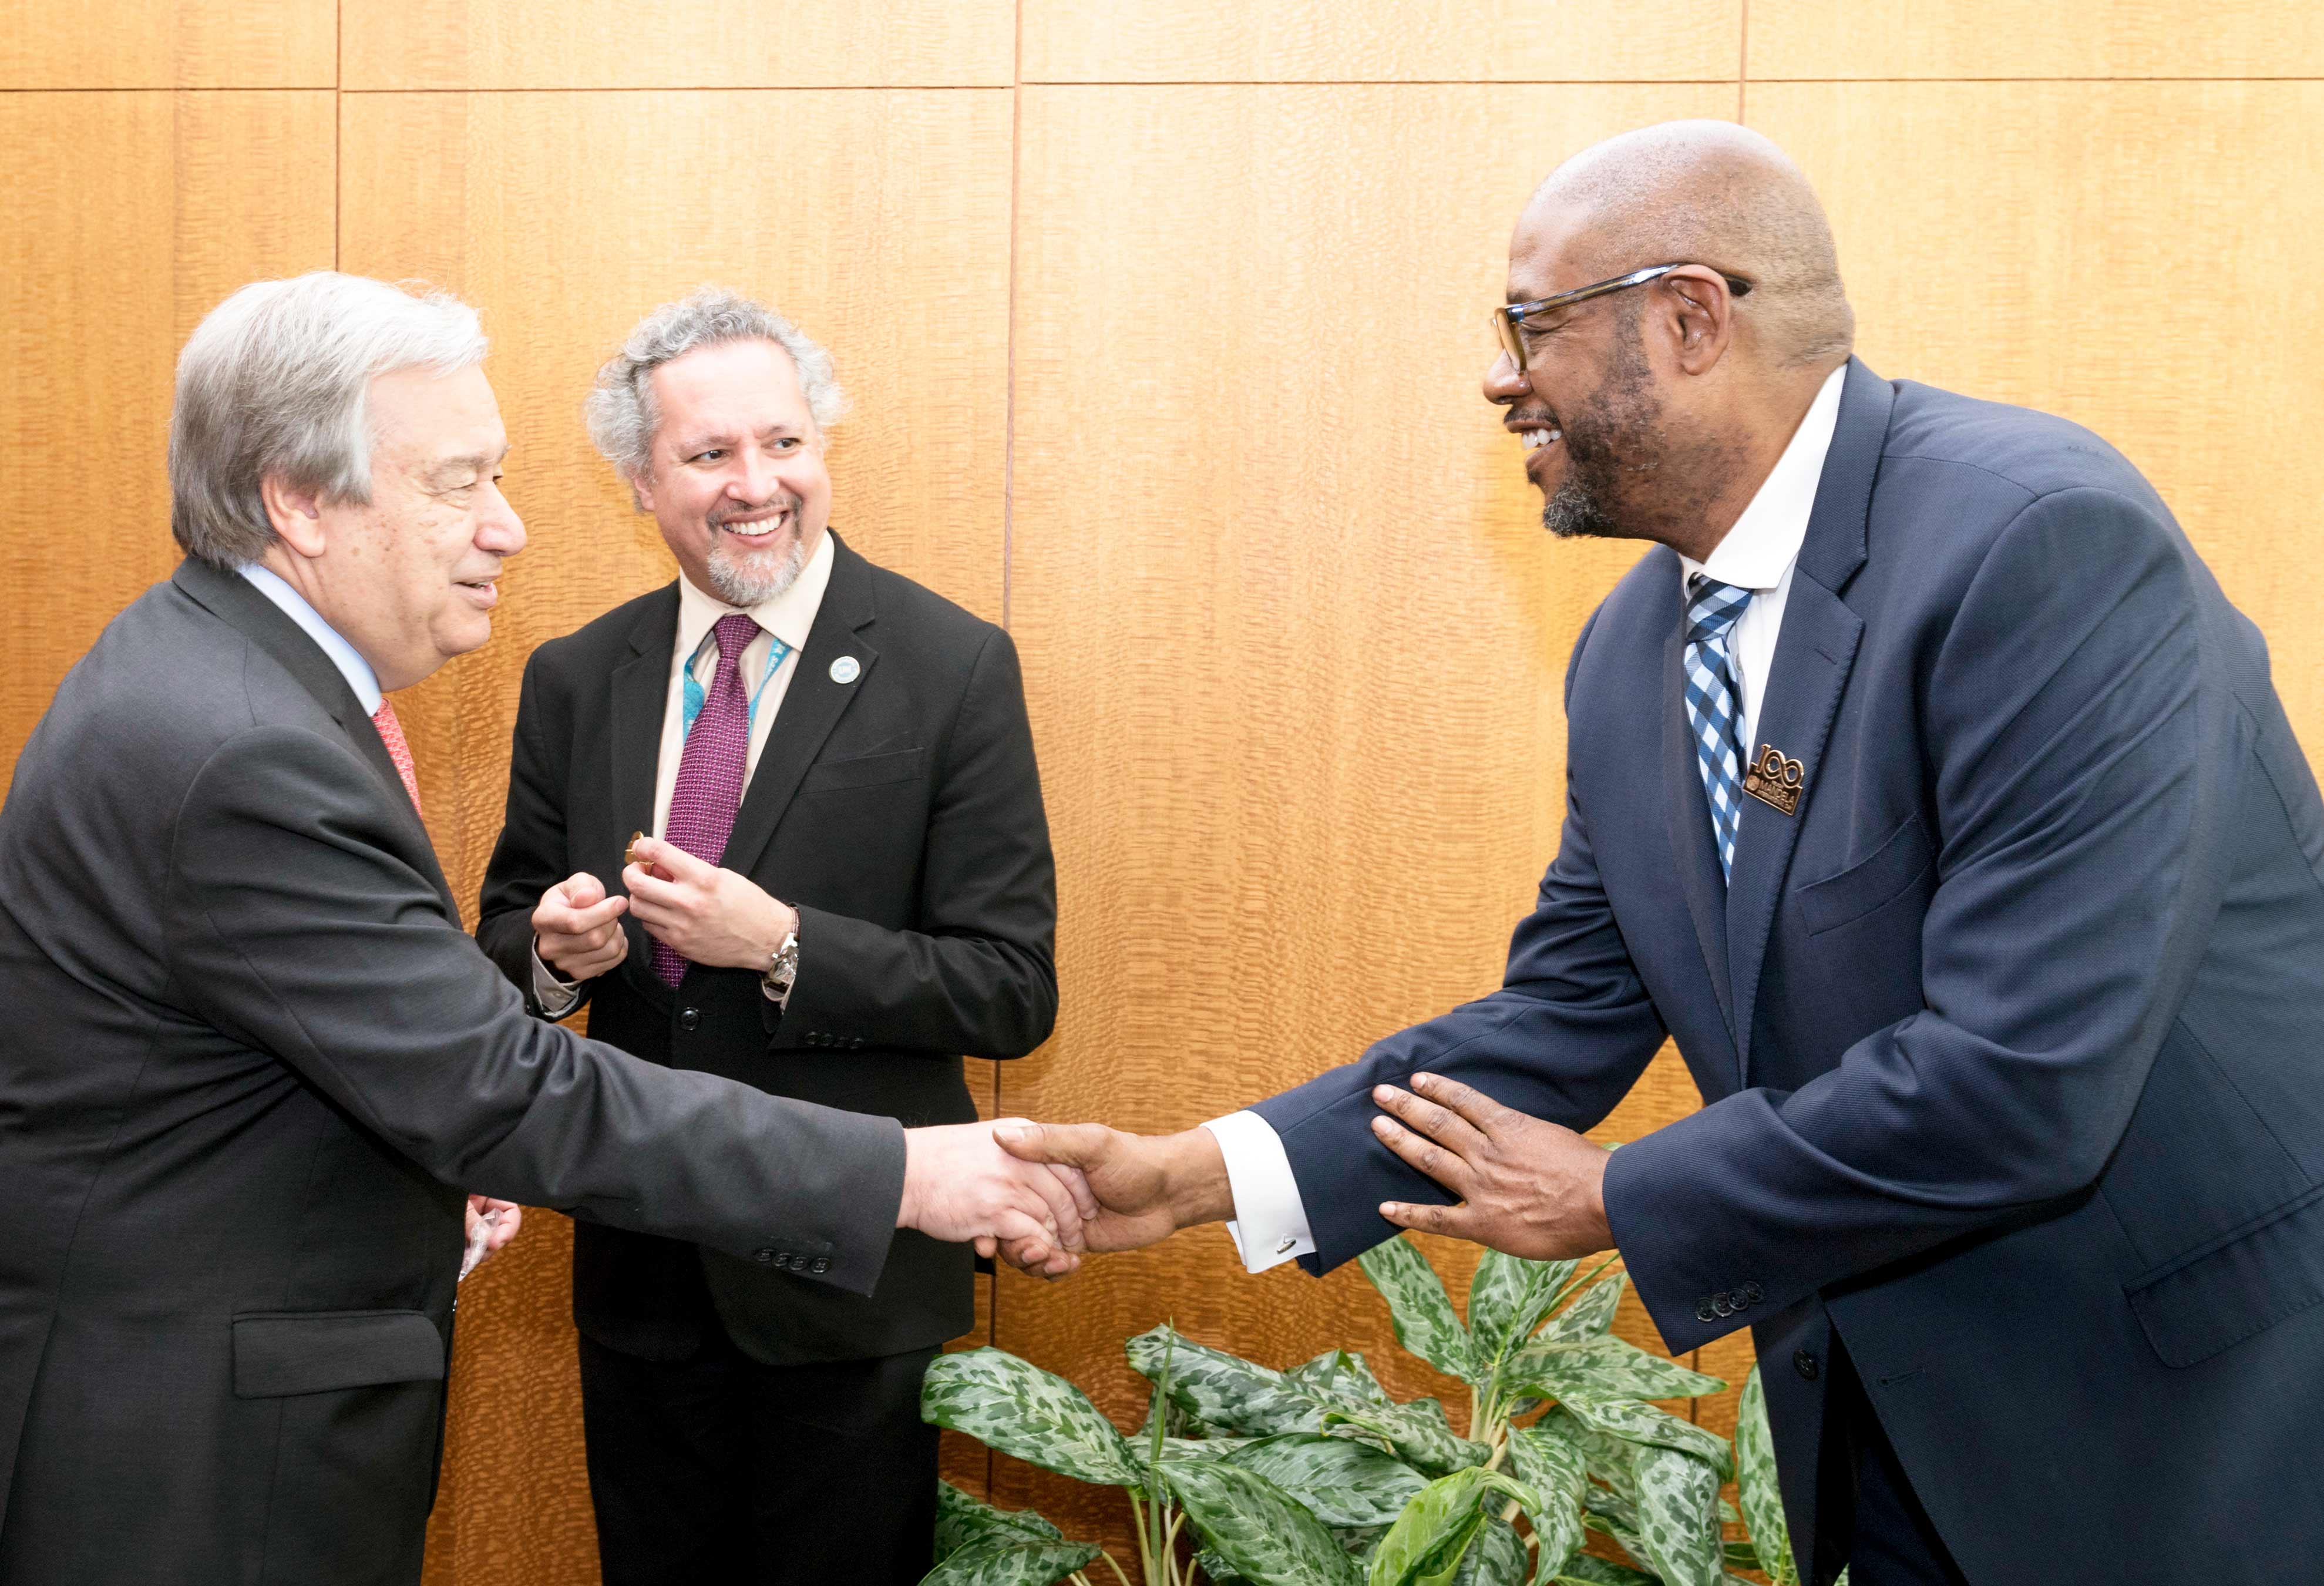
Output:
(1509, 320)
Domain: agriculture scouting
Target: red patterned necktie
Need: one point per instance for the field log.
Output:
(709, 786)
(391, 732)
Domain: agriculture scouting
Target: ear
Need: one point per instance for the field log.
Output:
(1702, 319)
(296, 514)
(641, 488)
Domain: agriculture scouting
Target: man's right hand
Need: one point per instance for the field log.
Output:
(961, 1187)
(1147, 1186)
(577, 929)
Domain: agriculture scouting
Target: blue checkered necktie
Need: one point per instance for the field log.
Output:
(1714, 706)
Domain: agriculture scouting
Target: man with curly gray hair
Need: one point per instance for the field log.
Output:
(778, 819)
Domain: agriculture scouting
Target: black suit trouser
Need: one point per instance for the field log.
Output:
(720, 1468)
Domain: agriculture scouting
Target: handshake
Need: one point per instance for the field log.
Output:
(1043, 1194)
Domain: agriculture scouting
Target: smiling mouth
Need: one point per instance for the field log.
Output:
(1538, 436)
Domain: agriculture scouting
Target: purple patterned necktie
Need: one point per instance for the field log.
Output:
(709, 786)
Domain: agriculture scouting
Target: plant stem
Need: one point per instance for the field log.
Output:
(1114, 1567)
(1145, 1541)
(1170, 1545)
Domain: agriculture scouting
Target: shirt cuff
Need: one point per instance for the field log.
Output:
(556, 997)
(1270, 1221)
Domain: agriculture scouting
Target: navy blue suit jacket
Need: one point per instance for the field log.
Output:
(2010, 1039)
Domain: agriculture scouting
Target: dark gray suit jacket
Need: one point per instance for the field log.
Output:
(900, 812)
(251, 1063)
(2010, 1038)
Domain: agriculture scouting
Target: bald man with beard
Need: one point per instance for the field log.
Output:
(1925, 788)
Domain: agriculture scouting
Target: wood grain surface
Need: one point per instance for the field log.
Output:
(2034, 39)
(678, 43)
(1377, 40)
(140, 210)
(169, 44)
(877, 220)
(1298, 700)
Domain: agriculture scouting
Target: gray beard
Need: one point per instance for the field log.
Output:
(754, 581)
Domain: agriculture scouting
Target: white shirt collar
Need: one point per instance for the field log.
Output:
(1760, 549)
(351, 664)
(788, 616)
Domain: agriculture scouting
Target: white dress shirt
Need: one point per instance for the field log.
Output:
(787, 617)
(1271, 1224)
(351, 664)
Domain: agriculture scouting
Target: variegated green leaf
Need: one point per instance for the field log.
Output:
(1264, 1535)
(962, 1520)
(1498, 1558)
(1507, 1299)
(1225, 1391)
(1553, 1465)
(1341, 1482)
(1012, 1563)
(1216, 1570)
(1340, 1377)
(1678, 1515)
(1636, 1423)
(1418, 1303)
(1419, 1439)
(1426, 1544)
(1590, 1316)
(1017, 1407)
(1193, 1449)
(1587, 1570)
(1359, 1542)
(1755, 1478)
(1606, 1367)
(1739, 1554)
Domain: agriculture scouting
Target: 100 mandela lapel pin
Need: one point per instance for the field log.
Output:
(1775, 779)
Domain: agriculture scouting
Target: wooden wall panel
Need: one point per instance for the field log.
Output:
(1374, 40)
(1294, 635)
(2034, 39)
(678, 43)
(169, 44)
(877, 220)
(2124, 253)
(134, 215)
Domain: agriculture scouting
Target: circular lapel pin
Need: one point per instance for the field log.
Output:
(846, 670)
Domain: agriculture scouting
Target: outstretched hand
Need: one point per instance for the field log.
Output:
(961, 1187)
(1526, 1188)
(1144, 1187)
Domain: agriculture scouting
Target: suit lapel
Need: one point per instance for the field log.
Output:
(640, 700)
(1813, 655)
(812, 706)
(1688, 812)
(231, 598)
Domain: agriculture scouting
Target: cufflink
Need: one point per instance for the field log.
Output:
(1283, 1249)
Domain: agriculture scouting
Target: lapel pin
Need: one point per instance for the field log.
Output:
(1775, 779)
(846, 670)
(630, 852)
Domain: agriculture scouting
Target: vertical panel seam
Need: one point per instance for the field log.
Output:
(1742, 60)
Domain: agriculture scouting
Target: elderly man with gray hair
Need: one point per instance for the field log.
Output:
(253, 1062)
(778, 819)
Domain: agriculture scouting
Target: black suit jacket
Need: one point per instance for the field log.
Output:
(900, 813)
(251, 1063)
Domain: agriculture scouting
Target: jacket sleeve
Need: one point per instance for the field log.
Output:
(980, 976)
(1564, 1038)
(531, 854)
(298, 922)
(2061, 715)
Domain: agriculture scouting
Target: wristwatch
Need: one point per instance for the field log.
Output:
(782, 969)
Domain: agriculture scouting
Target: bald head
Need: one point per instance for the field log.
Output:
(1704, 192)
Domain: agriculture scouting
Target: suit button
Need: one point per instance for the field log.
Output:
(1722, 1304)
(1753, 1294)
(822, 1265)
(856, 1044)
(690, 1018)
(1704, 1313)
(1804, 1362)
(766, 1257)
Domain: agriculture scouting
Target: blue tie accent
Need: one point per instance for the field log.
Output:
(694, 693)
(1714, 705)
